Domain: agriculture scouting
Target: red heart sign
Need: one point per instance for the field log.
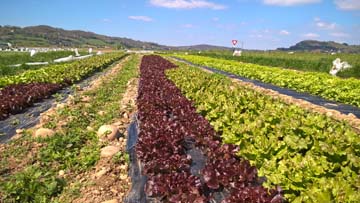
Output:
(234, 42)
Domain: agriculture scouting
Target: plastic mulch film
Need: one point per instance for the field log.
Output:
(138, 180)
(343, 108)
(31, 116)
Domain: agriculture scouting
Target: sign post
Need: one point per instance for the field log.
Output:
(236, 52)
(234, 42)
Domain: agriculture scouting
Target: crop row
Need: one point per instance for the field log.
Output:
(69, 72)
(316, 62)
(33, 86)
(29, 167)
(169, 128)
(341, 90)
(14, 98)
(312, 157)
(12, 58)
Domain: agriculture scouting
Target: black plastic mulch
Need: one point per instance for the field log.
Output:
(343, 108)
(30, 116)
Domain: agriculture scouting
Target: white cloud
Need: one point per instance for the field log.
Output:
(339, 34)
(141, 18)
(256, 36)
(106, 20)
(311, 35)
(324, 25)
(187, 4)
(289, 2)
(188, 26)
(348, 4)
(284, 32)
(215, 19)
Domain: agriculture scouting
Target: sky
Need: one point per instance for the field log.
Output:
(259, 24)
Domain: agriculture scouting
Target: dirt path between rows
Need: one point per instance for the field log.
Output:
(108, 182)
(351, 119)
(93, 85)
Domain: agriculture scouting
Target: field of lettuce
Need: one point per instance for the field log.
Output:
(201, 137)
(12, 58)
(320, 84)
(303, 61)
(313, 158)
(22, 90)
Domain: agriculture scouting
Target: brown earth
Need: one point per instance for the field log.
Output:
(108, 181)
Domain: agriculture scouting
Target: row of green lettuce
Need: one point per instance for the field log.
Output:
(304, 61)
(312, 157)
(321, 84)
(60, 73)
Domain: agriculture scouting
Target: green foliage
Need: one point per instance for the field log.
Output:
(312, 157)
(321, 84)
(32, 185)
(12, 58)
(121, 158)
(60, 73)
(74, 149)
(304, 61)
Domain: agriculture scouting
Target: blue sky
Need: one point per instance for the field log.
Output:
(260, 24)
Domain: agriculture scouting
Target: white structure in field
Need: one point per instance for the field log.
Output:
(65, 59)
(90, 50)
(36, 63)
(140, 51)
(237, 53)
(82, 57)
(15, 65)
(339, 66)
(77, 52)
(291, 52)
(99, 53)
(71, 58)
(32, 52)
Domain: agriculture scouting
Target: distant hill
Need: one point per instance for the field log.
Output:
(46, 36)
(318, 46)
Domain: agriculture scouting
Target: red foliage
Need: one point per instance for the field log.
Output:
(168, 121)
(15, 98)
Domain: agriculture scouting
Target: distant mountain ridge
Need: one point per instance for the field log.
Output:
(319, 46)
(47, 36)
